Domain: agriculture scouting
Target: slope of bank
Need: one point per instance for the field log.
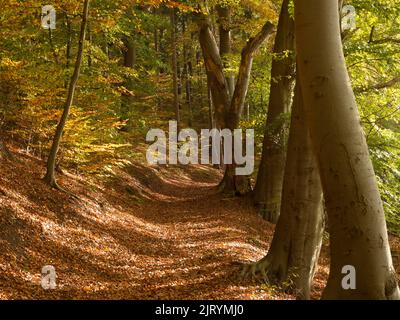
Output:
(147, 233)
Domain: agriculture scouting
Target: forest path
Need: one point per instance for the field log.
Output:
(192, 236)
(149, 233)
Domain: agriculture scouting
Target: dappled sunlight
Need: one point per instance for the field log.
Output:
(177, 241)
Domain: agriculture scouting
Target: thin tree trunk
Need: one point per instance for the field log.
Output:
(53, 49)
(295, 248)
(161, 49)
(188, 89)
(156, 41)
(130, 53)
(51, 162)
(68, 49)
(268, 189)
(157, 50)
(127, 98)
(175, 67)
(356, 221)
(69, 41)
(188, 70)
(89, 39)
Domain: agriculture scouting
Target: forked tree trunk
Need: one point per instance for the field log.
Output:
(268, 189)
(227, 111)
(358, 234)
(295, 248)
(232, 183)
(51, 162)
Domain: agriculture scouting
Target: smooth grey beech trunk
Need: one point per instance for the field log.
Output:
(295, 248)
(225, 42)
(268, 188)
(227, 111)
(356, 220)
(214, 69)
(232, 183)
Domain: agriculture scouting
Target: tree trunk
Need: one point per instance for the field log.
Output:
(214, 69)
(225, 42)
(90, 40)
(53, 49)
(243, 78)
(156, 41)
(127, 98)
(157, 51)
(232, 183)
(228, 111)
(268, 189)
(51, 162)
(296, 244)
(357, 227)
(175, 68)
(188, 71)
(69, 41)
(210, 109)
(161, 50)
(188, 87)
(68, 48)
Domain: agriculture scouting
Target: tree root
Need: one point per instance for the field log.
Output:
(235, 187)
(257, 271)
(56, 186)
(263, 272)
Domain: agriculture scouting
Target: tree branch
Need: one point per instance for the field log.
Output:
(242, 82)
(378, 86)
(214, 70)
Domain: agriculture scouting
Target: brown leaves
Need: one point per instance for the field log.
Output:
(181, 242)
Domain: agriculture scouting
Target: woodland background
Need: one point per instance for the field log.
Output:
(127, 86)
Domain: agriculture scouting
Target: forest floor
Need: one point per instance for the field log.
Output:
(147, 233)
